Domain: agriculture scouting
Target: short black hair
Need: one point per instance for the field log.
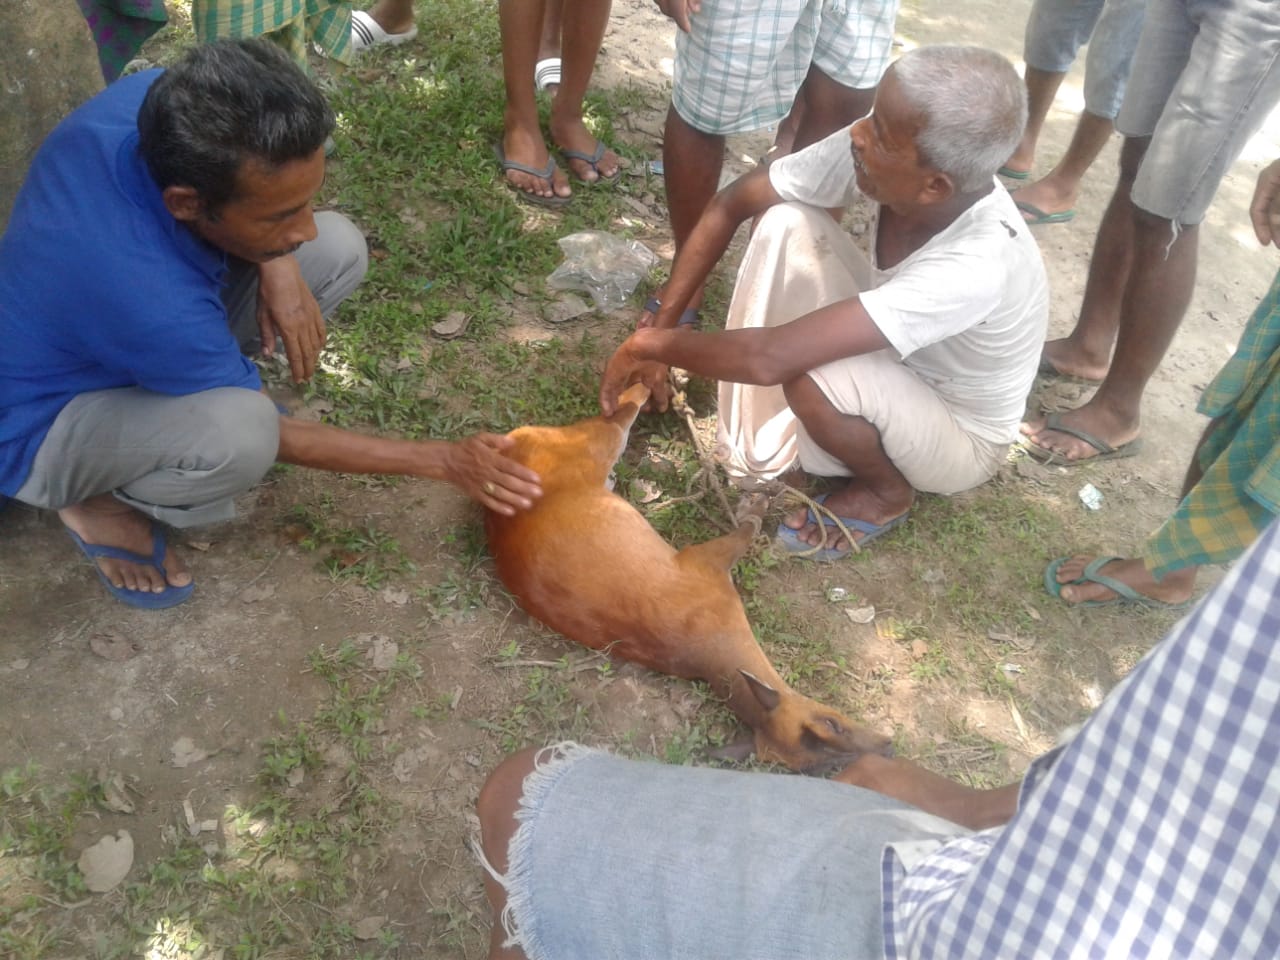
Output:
(226, 103)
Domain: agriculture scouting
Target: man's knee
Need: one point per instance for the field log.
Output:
(499, 799)
(341, 260)
(239, 436)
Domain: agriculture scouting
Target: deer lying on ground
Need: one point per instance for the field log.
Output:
(585, 563)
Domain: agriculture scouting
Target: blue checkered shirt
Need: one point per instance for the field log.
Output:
(1154, 833)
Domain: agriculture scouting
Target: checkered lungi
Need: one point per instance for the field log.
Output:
(1239, 494)
(290, 23)
(740, 66)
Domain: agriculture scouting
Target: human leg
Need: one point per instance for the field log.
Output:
(547, 70)
(115, 458)
(1158, 289)
(624, 859)
(1112, 41)
(520, 24)
(1086, 351)
(828, 106)
(333, 265)
(1217, 88)
(580, 43)
(1054, 195)
(692, 160)
(394, 16)
(878, 493)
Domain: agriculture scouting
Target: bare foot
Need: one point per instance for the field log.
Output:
(855, 500)
(1048, 195)
(1091, 419)
(1069, 359)
(105, 521)
(570, 133)
(526, 147)
(1175, 588)
(926, 790)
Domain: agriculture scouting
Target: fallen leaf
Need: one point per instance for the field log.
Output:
(344, 559)
(453, 325)
(114, 795)
(295, 532)
(1017, 721)
(367, 929)
(260, 591)
(382, 653)
(201, 545)
(184, 752)
(566, 307)
(860, 614)
(107, 862)
(647, 490)
(113, 646)
(394, 595)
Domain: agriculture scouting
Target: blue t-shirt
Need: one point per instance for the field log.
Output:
(100, 287)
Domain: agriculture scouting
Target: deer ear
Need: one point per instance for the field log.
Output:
(765, 694)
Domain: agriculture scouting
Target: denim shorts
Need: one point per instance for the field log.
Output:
(1205, 76)
(1057, 29)
(742, 64)
(631, 860)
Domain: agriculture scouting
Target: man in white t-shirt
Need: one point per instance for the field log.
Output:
(905, 372)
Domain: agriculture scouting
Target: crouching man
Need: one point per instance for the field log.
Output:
(905, 370)
(164, 230)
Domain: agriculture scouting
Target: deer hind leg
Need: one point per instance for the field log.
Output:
(723, 552)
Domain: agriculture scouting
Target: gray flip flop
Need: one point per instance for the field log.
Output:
(1054, 459)
(548, 173)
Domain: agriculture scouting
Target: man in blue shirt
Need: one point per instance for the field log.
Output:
(165, 227)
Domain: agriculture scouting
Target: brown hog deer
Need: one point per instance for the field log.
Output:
(584, 562)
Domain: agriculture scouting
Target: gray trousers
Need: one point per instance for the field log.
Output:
(184, 459)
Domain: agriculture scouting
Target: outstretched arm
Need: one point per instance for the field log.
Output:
(913, 784)
(764, 356)
(476, 465)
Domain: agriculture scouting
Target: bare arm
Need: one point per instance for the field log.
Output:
(747, 197)
(476, 464)
(287, 307)
(927, 791)
(765, 356)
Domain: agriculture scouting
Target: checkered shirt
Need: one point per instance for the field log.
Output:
(1153, 833)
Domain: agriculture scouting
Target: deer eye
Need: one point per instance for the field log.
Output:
(833, 725)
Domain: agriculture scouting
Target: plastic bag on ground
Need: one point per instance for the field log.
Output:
(608, 268)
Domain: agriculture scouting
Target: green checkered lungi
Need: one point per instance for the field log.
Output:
(1239, 494)
(290, 23)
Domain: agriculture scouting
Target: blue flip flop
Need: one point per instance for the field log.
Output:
(1092, 573)
(170, 596)
(791, 542)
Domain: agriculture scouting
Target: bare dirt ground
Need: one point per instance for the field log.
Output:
(184, 716)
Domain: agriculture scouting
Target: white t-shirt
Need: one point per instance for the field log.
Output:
(967, 312)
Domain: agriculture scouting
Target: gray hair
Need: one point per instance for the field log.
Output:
(972, 107)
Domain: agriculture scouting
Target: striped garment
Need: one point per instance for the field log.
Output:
(1155, 832)
(742, 63)
(1239, 493)
(291, 23)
